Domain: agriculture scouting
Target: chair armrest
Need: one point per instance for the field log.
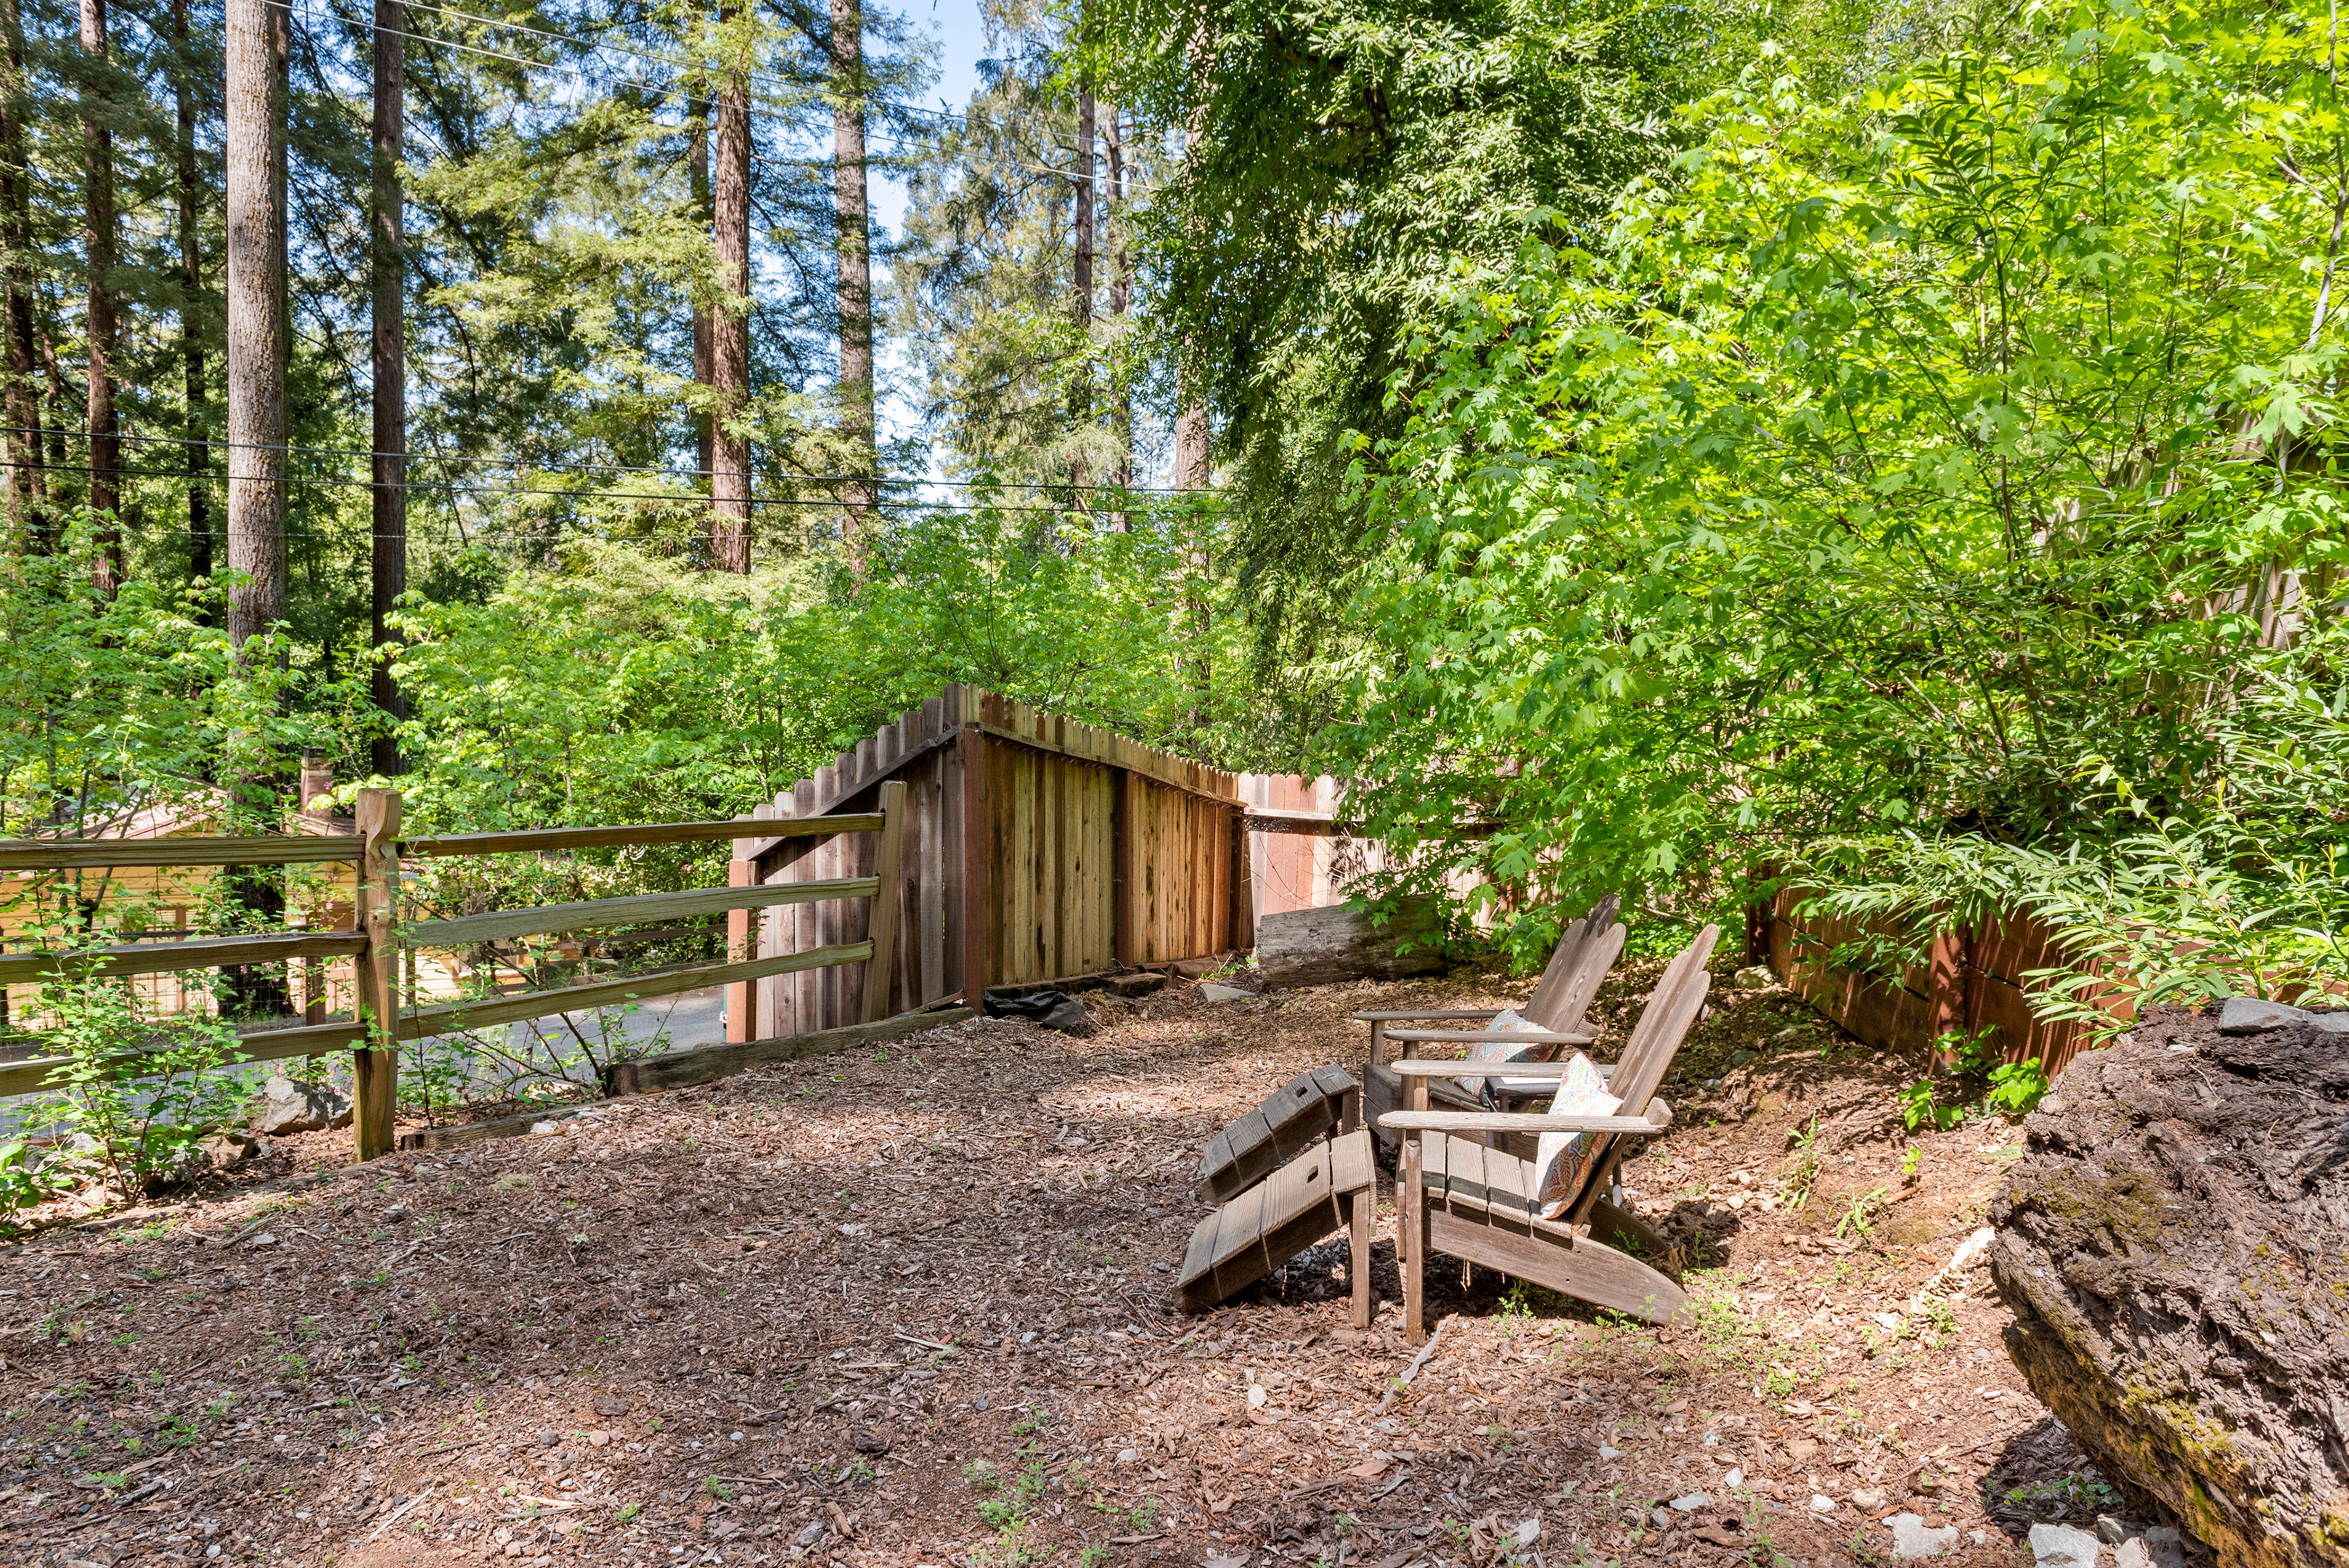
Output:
(1421, 1067)
(1529, 1036)
(1429, 1013)
(1659, 1117)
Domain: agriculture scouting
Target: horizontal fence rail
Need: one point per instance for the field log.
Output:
(108, 853)
(630, 911)
(377, 938)
(178, 957)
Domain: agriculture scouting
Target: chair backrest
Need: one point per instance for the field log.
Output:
(1663, 1023)
(1585, 951)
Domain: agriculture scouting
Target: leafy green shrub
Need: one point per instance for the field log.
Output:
(143, 1089)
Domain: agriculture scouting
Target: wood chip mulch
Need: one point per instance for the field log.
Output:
(913, 1306)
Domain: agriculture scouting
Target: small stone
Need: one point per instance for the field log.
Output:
(809, 1534)
(263, 1240)
(549, 1440)
(1912, 1539)
(1735, 1478)
(1127, 1456)
(2251, 1015)
(978, 1404)
(1660, 1518)
(2132, 1553)
(1210, 992)
(1821, 1503)
(2112, 1530)
(2061, 1546)
(1607, 1452)
(599, 1439)
(1690, 1503)
(1258, 1396)
(866, 1441)
(1868, 1501)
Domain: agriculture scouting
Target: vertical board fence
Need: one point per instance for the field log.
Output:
(855, 967)
(1974, 980)
(1036, 848)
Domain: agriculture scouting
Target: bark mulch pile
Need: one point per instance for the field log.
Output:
(913, 1306)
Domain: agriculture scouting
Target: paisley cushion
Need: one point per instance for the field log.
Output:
(1563, 1162)
(1505, 1022)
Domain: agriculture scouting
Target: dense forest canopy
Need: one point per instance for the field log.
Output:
(1885, 446)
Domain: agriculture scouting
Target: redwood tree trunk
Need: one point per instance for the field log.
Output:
(697, 162)
(22, 402)
(1121, 306)
(390, 394)
(97, 239)
(1080, 401)
(2174, 1245)
(256, 325)
(730, 360)
(191, 339)
(859, 493)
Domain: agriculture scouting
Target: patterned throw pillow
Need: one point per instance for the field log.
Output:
(1563, 1162)
(1505, 1022)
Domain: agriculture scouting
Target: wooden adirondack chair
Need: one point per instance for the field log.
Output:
(1458, 1197)
(1585, 950)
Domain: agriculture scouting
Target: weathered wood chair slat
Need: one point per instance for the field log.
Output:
(1271, 1222)
(1311, 1106)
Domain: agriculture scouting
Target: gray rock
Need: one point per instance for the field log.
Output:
(2132, 1553)
(2249, 1016)
(2061, 1546)
(2112, 1530)
(808, 1535)
(286, 1106)
(1210, 992)
(1662, 1518)
(1692, 1502)
(230, 1150)
(1912, 1539)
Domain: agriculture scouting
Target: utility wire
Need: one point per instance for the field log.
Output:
(686, 474)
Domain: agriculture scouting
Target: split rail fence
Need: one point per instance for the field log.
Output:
(378, 937)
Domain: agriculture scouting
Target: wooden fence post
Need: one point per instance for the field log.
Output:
(978, 853)
(376, 1067)
(887, 865)
(741, 945)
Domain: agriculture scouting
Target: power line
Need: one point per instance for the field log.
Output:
(685, 475)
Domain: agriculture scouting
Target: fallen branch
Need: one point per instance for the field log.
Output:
(392, 1518)
(1416, 1362)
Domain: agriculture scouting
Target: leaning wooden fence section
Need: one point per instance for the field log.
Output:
(1974, 980)
(1036, 849)
(378, 937)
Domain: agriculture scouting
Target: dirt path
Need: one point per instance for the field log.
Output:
(912, 1307)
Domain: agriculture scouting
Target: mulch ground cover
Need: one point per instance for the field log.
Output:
(914, 1305)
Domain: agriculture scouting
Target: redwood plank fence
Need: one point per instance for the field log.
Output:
(1036, 848)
